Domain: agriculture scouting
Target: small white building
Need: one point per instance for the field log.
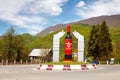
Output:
(38, 55)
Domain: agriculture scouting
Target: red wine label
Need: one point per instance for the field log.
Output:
(68, 46)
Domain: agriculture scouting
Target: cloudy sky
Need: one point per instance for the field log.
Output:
(32, 16)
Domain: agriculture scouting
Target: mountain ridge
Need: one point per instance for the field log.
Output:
(112, 21)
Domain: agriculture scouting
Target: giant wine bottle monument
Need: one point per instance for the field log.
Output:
(68, 46)
(68, 54)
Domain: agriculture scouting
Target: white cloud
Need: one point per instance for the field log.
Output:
(80, 4)
(27, 14)
(52, 7)
(99, 7)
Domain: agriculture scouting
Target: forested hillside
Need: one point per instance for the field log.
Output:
(47, 41)
(23, 44)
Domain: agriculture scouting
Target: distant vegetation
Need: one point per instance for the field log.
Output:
(29, 42)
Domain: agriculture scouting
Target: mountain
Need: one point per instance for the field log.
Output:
(112, 21)
(52, 29)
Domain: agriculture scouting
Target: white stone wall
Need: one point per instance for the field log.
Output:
(80, 46)
(56, 45)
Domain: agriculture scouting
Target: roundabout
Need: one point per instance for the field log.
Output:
(66, 67)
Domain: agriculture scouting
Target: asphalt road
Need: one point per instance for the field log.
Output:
(26, 72)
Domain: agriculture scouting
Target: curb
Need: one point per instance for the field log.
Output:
(66, 67)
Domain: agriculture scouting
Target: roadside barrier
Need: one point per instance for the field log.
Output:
(66, 67)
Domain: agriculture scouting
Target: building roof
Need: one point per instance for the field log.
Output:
(39, 52)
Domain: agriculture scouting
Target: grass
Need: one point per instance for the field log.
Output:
(64, 63)
(47, 41)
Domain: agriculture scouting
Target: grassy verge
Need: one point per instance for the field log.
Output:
(65, 63)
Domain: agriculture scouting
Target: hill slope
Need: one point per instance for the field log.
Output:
(47, 41)
(112, 21)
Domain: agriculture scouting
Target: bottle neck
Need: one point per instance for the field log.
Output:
(68, 33)
(68, 36)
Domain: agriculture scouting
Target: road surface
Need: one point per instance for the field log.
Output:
(26, 72)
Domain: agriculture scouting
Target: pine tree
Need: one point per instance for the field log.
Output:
(105, 42)
(93, 44)
(99, 44)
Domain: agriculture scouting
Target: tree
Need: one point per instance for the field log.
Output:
(9, 51)
(99, 44)
(93, 43)
(1, 48)
(105, 42)
(19, 46)
(13, 46)
(117, 51)
(26, 51)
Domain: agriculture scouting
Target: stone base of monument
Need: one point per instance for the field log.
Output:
(66, 67)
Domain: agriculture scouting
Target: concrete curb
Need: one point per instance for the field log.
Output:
(66, 67)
